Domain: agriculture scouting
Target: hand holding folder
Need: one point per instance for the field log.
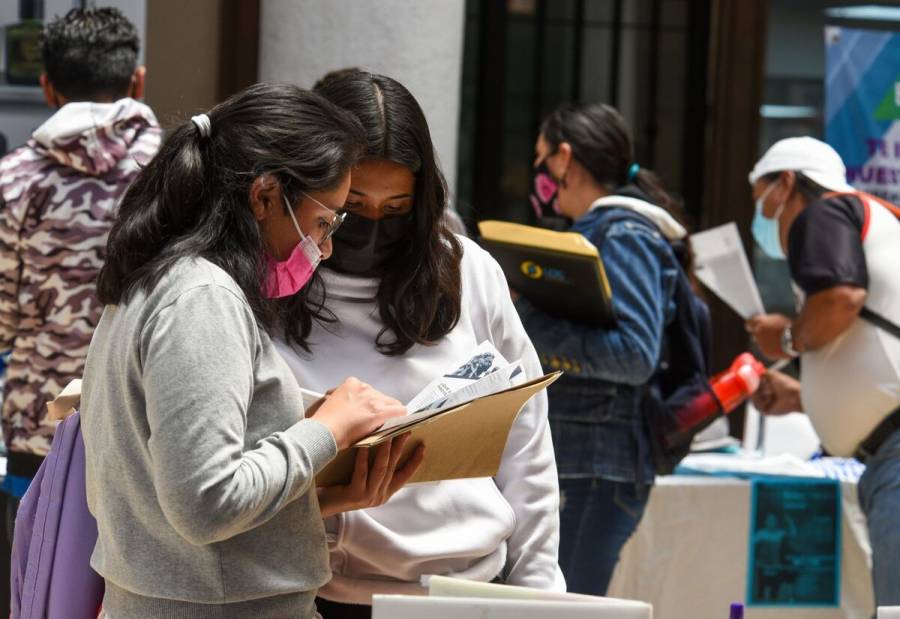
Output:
(463, 418)
(465, 440)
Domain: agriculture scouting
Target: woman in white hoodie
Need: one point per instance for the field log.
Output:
(409, 299)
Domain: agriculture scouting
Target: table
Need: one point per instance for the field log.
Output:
(689, 555)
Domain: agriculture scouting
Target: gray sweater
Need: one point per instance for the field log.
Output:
(200, 466)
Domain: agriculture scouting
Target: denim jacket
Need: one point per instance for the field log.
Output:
(595, 418)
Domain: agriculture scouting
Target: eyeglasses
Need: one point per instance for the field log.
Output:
(327, 228)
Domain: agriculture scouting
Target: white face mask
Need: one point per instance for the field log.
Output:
(766, 232)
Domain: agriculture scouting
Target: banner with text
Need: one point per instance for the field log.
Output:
(862, 106)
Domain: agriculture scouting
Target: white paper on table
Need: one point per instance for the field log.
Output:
(450, 587)
(417, 607)
(721, 264)
(785, 465)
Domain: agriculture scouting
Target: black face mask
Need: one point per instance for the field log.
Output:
(365, 246)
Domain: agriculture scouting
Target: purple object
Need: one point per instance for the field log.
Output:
(737, 611)
(55, 537)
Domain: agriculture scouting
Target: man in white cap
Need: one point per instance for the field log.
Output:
(843, 251)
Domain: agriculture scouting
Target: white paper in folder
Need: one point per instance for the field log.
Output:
(482, 372)
(721, 264)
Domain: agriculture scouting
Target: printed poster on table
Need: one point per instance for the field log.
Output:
(795, 543)
(862, 106)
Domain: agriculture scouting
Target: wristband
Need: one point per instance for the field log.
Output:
(787, 343)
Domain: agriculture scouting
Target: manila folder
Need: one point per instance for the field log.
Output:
(463, 441)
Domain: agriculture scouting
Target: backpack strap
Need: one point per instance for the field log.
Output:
(865, 313)
(880, 321)
(864, 198)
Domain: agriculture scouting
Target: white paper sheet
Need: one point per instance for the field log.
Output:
(418, 607)
(451, 598)
(449, 587)
(483, 372)
(476, 367)
(721, 264)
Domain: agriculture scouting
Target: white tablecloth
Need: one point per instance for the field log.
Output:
(689, 555)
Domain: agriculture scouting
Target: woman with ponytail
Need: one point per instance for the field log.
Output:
(200, 463)
(585, 171)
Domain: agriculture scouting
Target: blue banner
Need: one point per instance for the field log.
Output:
(862, 106)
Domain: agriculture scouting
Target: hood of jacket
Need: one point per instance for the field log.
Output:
(93, 138)
(668, 225)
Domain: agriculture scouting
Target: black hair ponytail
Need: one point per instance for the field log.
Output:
(601, 142)
(193, 198)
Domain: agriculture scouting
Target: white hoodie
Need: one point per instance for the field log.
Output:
(480, 529)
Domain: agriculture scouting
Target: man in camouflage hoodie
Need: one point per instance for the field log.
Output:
(58, 195)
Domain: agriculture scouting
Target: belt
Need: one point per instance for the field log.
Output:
(878, 436)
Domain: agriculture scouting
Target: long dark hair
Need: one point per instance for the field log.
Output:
(419, 296)
(193, 198)
(601, 142)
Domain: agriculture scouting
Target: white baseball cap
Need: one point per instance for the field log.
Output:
(813, 158)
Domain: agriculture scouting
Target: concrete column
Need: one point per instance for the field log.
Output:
(183, 53)
(417, 42)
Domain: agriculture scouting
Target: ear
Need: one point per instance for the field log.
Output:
(564, 161)
(138, 80)
(788, 180)
(50, 95)
(265, 197)
(564, 154)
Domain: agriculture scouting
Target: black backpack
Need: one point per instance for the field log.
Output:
(683, 370)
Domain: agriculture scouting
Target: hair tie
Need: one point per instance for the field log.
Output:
(203, 124)
(633, 172)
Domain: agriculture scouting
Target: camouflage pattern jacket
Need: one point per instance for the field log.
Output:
(57, 199)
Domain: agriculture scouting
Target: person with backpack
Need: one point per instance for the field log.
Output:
(57, 198)
(842, 248)
(604, 448)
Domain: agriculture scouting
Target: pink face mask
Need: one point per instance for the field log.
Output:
(287, 277)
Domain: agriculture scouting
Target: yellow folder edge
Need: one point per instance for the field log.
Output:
(529, 236)
(462, 442)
